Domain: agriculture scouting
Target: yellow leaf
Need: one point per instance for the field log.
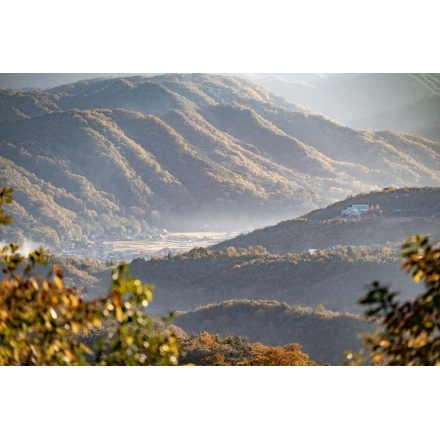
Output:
(130, 340)
(58, 282)
(119, 314)
(418, 276)
(376, 358)
(74, 300)
(68, 355)
(85, 348)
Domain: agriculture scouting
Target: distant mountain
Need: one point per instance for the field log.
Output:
(324, 335)
(404, 102)
(116, 156)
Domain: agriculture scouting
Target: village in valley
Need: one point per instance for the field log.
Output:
(159, 243)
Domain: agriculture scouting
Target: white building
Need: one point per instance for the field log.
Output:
(355, 210)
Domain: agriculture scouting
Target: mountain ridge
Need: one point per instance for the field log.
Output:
(140, 152)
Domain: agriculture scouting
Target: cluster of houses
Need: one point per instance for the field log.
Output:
(105, 251)
(357, 211)
(100, 251)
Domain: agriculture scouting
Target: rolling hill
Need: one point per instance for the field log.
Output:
(115, 157)
(336, 277)
(322, 334)
(319, 258)
(405, 211)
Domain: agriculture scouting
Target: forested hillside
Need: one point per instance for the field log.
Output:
(320, 258)
(402, 212)
(115, 157)
(322, 334)
(335, 277)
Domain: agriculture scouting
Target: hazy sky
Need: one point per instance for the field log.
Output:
(47, 80)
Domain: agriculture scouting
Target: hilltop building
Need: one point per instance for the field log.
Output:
(360, 210)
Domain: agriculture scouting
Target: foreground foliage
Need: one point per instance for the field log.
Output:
(410, 333)
(43, 322)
